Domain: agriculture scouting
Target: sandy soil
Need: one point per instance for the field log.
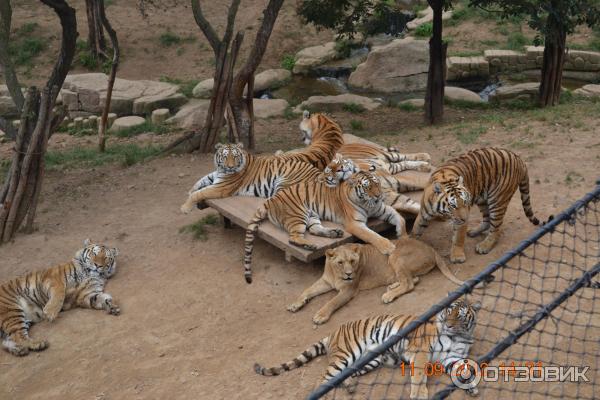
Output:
(190, 326)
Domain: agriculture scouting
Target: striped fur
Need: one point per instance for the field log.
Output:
(239, 173)
(388, 160)
(43, 294)
(487, 177)
(340, 169)
(444, 340)
(302, 207)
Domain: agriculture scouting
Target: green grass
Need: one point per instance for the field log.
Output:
(23, 46)
(356, 125)
(168, 39)
(489, 43)
(146, 127)
(83, 157)
(353, 108)
(288, 62)
(84, 57)
(409, 107)
(469, 135)
(424, 30)
(516, 41)
(470, 53)
(186, 86)
(198, 229)
(289, 113)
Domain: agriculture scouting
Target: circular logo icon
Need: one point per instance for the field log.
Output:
(466, 374)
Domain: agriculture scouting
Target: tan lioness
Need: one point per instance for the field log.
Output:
(353, 267)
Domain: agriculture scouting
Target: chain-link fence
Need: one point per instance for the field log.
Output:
(537, 335)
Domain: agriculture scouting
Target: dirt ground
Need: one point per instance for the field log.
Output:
(190, 326)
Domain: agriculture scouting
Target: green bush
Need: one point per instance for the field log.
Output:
(288, 62)
(82, 157)
(356, 125)
(168, 39)
(353, 108)
(516, 41)
(424, 30)
(198, 229)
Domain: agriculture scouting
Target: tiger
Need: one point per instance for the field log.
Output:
(240, 173)
(389, 160)
(487, 177)
(301, 207)
(444, 340)
(340, 169)
(43, 294)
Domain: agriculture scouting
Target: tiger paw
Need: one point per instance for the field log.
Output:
(37, 345)
(336, 233)
(309, 246)
(457, 256)
(186, 208)
(19, 351)
(295, 306)
(484, 247)
(51, 315)
(388, 248)
(321, 317)
(388, 297)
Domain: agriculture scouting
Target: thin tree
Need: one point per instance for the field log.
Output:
(39, 119)
(554, 20)
(436, 74)
(96, 40)
(112, 77)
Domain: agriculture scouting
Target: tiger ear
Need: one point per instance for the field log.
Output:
(437, 188)
(115, 251)
(305, 114)
(239, 145)
(219, 146)
(338, 157)
(460, 180)
(372, 168)
(87, 242)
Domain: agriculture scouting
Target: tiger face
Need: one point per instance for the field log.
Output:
(230, 158)
(339, 170)
(452, 200)
(98, 258)
(365, 189)
(307, 126)
(459, 317)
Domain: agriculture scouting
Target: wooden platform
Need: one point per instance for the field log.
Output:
(240, 209)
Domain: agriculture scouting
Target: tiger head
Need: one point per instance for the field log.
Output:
(317, 126)
(307, 126)
(365, 189)
(339, 170)
(451, 198)
(459, 317)
(98, 258)
(230, 158)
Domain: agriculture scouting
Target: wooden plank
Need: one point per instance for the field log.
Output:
(240, 210)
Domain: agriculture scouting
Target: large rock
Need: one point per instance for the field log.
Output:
(588, 90)
(400, 66)
(125, 123)
(267, 108)
(7, 107)
(87, 92)
(313, 56)
(203, 90)
(337, 102)
(191, 115)
(425, 17)
(271, 79)
(527, 90)
(456, 93)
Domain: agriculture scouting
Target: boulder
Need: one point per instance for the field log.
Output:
(267, 108)
(124, 123)
(337, 102)
(456, 93)
(203, 90)
(588, 90)
(87, 93)
(425, 17)
(271, 79)
(7, 107)
(193, 114)
(419, 103)
(521, 90)
(313, 56)
(400, 66)
(160, 115)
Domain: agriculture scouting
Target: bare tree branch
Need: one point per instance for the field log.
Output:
(233, 9)
(12, 82)
(206, 27)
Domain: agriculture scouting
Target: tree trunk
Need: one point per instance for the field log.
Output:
(434, 96)
(21, 190)
(552, 65)
(111, 79)
(96, 40)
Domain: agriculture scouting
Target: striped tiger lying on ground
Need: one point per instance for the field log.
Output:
(43, 294)
(239, 173)
(445, 339)
(487, 177)
(302, 207)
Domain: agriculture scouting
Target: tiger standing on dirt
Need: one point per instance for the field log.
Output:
(239, 173)
(43, 294)
(301, 207)
(487, 177)
(445, 339)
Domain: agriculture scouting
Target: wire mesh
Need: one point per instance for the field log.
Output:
(537, 335)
